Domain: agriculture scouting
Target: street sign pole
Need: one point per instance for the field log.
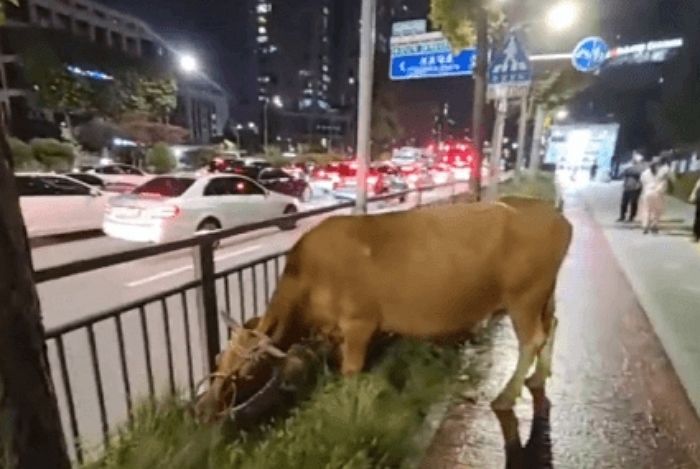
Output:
(522, 134)
(364, 115)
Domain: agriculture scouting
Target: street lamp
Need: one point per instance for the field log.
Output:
(277, 102)
(188, 63)
(562, 114)
(562, 16)
(238, 129)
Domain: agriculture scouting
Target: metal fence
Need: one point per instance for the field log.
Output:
(104, 365)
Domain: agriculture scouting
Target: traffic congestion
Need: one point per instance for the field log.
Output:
(128, 203)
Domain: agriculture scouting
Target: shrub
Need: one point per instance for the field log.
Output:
(23, 156)
(160, 159)
(684, 184)
(52, 154)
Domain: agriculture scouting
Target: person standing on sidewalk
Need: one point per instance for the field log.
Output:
(655, 183)
(695, 199)
(631, 188)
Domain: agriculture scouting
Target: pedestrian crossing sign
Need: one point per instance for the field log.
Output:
(510, 69)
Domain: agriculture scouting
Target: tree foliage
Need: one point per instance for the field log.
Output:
(139, 128)
(560, 87)
(160, 158)
(386, 127)
(153, 97)
(455, 18)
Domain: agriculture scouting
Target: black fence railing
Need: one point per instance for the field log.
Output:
(104, 364)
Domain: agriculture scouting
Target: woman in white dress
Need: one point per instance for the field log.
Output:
(655, 182)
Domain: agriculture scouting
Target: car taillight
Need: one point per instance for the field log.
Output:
(166, 211)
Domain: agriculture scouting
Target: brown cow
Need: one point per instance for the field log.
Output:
(428, 273)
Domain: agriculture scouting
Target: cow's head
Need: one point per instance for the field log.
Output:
(243, 368)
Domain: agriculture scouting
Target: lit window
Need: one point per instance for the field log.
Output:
(262, 39)
(351, 80)
(325, 67)
(272, 48)
(326, 78)
(263, 8)
(326, 11)
(262, 30)
(262, 20)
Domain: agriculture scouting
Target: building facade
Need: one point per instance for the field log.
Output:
(203, 105)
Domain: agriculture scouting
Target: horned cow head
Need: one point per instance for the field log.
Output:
(242, 368)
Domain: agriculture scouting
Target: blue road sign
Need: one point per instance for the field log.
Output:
(436, 64)
(510, 66)
(590, 54)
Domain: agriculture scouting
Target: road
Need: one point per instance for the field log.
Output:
(616, 401)
(78, 296)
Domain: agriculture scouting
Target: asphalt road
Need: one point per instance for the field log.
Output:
(79, 296)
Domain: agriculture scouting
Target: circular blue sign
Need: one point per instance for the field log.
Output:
(590, 54)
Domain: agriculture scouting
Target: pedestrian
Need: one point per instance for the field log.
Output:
(655, 183)
(594, 171)
(631, 188)
(695, 199)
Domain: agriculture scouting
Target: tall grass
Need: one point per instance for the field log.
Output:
(367, 421)
(539, 185)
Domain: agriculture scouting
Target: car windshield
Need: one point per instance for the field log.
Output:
(165, 187)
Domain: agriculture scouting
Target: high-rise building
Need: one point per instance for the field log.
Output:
(305, 69)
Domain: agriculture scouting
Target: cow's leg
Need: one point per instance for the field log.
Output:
(527, 322)
(544, 361)
(357, 334)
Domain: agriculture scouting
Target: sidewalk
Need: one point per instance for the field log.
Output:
(664, 271)
(616, 401)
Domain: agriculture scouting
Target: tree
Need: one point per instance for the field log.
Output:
(385, 121)
(153, 97)
(140, 128)
(160, 159)
(466, 23)
(30, 426)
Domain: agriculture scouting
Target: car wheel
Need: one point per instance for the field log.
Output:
(306, 194)
(210, 224)
(291, 224)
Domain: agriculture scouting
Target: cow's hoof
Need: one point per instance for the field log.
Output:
(535, 383)
(503, 403)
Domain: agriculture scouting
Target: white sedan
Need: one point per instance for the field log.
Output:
(53, 204)
(173, 207)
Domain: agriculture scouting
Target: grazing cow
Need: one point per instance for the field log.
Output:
(429, 273)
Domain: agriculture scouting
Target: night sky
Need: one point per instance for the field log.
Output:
(213, 28)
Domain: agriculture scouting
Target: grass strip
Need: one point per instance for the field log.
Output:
(376, 419)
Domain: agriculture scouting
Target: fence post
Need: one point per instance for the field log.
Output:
(206, 302)
(419, 202)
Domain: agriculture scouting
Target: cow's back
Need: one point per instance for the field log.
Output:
(427, 272)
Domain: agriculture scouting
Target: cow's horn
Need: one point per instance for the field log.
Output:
(229, 321)
(274, 351)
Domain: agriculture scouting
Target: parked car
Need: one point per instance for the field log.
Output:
(344, 175)
(55, 204)
(178, 206)
(121, 174)
(96, 181)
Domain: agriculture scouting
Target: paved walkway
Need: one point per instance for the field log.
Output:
(664, 271)
(616, 401)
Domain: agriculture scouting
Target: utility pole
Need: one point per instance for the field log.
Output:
(364, 115)
(522, 134)
(536, 138)
(480, 83)
(497, 148)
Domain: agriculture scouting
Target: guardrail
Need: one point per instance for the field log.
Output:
(133, 348)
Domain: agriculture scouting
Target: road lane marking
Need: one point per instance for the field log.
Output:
(179, 270)
(237, 252)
